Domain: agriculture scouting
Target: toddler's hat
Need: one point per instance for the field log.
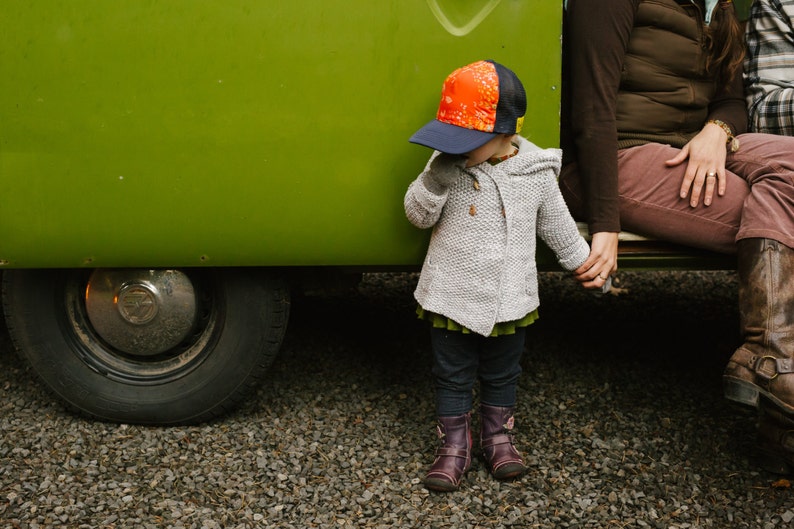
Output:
(478, 101)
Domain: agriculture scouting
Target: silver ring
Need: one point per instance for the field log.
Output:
(711, 174)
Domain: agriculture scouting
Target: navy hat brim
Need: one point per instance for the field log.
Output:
(450, 138)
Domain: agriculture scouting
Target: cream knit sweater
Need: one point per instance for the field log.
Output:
(480, 265)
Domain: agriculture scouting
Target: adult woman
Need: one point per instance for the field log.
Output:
(653, 134)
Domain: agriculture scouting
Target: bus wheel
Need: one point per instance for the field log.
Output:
(147, 346)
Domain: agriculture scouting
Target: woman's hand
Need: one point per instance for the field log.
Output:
(706, 168)
(602, 261)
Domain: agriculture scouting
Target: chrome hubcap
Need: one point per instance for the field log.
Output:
(141, 312)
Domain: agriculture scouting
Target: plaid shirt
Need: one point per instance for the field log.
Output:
(769, 67)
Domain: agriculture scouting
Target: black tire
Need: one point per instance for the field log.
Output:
(236, 327)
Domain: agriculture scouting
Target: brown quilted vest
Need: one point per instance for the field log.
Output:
(664, 93)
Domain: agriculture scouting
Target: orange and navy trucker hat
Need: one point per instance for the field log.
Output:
(478, 101)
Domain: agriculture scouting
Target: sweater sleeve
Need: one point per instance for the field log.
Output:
(422, 206)
(729, 104)
(595, 40)
(557, 228)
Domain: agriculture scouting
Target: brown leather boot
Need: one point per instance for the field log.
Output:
(453, 456)
(764, 364)
(496, 441)
(775, 441)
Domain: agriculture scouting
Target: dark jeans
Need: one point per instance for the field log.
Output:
(459, 360)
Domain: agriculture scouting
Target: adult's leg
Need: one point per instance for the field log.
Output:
(764, 364)
(758, 212)
(759, 208)
(766, 162)
(650, 204)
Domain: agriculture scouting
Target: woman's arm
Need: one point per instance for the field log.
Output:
(595, 39)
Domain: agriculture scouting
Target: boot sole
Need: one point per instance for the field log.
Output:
(508, 471)
(439, 485)
(511, 473)
(749, 394)
(741, 392)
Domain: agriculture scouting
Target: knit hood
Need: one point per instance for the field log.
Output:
(530, 159)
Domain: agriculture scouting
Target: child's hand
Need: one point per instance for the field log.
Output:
(444, 170)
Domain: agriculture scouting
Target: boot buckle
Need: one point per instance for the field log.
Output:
(766, 367)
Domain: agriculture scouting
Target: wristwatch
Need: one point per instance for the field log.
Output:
(732, 142)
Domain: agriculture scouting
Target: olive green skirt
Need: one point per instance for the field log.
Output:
(503, 327)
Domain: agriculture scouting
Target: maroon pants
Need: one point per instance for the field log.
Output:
(758, 200)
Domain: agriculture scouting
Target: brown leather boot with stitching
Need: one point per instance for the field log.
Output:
(764, 364)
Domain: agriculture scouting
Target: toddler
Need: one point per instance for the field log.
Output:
(487, 193)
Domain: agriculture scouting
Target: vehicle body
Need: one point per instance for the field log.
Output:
(170, 171)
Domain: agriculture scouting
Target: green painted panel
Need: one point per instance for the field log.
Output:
(743, 8)
(238, 132)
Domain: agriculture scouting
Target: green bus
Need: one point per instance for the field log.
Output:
(170, 171)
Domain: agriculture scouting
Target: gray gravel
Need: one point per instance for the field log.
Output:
(620, 415)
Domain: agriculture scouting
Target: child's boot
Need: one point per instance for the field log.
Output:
(496, 441)
(453, 456)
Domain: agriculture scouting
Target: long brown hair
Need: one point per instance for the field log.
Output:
(726, 42)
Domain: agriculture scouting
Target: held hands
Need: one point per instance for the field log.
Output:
(444, 170)
(602, 261)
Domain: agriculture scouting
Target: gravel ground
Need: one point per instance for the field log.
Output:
(620, 416)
